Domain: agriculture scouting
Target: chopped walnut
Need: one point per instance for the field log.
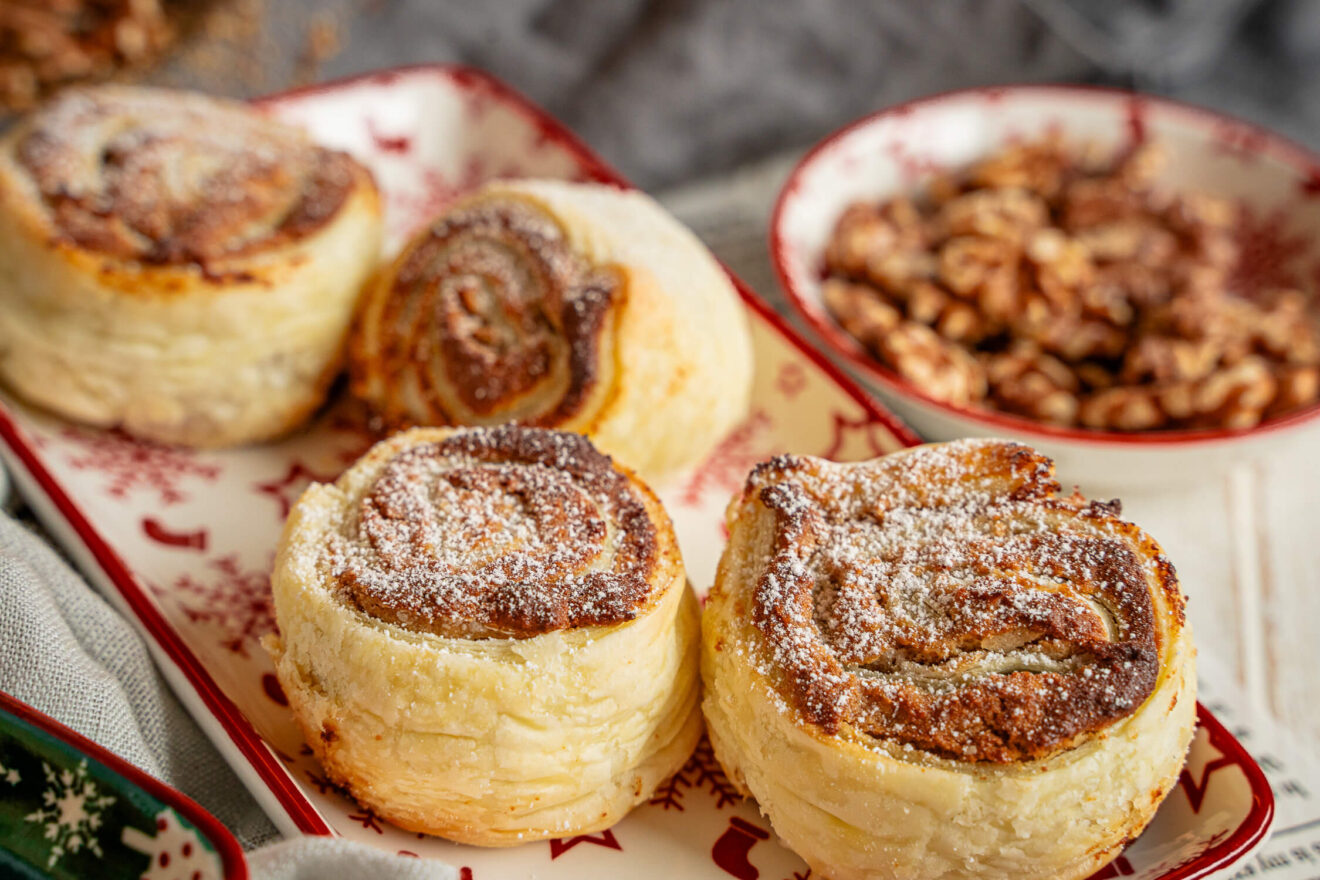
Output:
(861, 312)
(984, 270)
(46, 44)
(1122, 408)
(1049, 282)
(1236, 396)
(943, 369)
(1009, 214)
(1039, 166)
(1027, 381)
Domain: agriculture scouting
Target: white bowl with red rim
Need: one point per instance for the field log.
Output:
(891, 152)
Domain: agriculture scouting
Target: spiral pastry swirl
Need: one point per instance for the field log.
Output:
(949, 600)
(491, 316)
(133, 174)
(577, 307)
(177, 266)
(487, 634)
(945, 651)
(506, 532)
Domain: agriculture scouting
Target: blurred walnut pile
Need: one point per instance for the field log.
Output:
(1050, 284)
(47, 43)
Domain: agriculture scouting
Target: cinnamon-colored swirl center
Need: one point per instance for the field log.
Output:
(493, 317)
(499, 532)
(950, 601)
(164, 177)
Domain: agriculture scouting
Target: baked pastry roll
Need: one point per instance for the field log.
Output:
(487, 634)
(573, 306)
(931, 665)
(177, 265)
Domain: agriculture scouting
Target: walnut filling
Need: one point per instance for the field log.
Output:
(951, 601)
(494, 317)
(503, 532)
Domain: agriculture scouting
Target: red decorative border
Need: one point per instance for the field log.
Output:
(1304, 162)
(1257, 824)
(240, 730)
(231, 854)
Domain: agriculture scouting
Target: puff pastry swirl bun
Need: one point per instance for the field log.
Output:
(931, 665)
(573, 306)
(487, 634)
(177, 265)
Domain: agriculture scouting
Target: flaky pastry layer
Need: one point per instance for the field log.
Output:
(856, 806)
(573, 306)
(489, 741)
(219, 349)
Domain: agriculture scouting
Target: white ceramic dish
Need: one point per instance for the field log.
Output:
(182, 541)
(890, 152)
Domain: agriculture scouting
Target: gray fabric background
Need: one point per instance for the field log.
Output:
(671, 90)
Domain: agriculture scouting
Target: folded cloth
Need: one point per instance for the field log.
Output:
(66, 652)
(319, 858)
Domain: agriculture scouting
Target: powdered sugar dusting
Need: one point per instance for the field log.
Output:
(947, 598)
(167, 177)
(497, 532)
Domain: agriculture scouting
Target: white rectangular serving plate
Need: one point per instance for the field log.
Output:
(182, 541)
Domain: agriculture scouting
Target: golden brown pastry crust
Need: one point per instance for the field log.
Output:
(919, 664)
(571, 306)
(520, 670)
(177, 265)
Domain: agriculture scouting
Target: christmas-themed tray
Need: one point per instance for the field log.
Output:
(182, 541)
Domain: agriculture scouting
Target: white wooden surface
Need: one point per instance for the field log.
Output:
(1246, 544)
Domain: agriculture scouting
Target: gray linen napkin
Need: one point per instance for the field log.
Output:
(66, 652)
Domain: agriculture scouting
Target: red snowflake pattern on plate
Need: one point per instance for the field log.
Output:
(702, 772)
(289, 488)
(912, 166)
(413, 208)
(367, 819)
(853, 434)
(791, 379)
(1269, 253)
(1242, 142)
(235, 601)
(727, 466)
(129, 464)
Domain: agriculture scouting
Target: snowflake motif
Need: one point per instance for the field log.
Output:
(237, 603)
(854, 438)
(129, 464)
(727, 466)
(792, 380)
(1241, 142)
(10, 775)
(323, 785)
(368, 819)
(1268, 253)
(175, 849)
(71, 811)
(702, 771)
(419, 204)
(912, 167)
